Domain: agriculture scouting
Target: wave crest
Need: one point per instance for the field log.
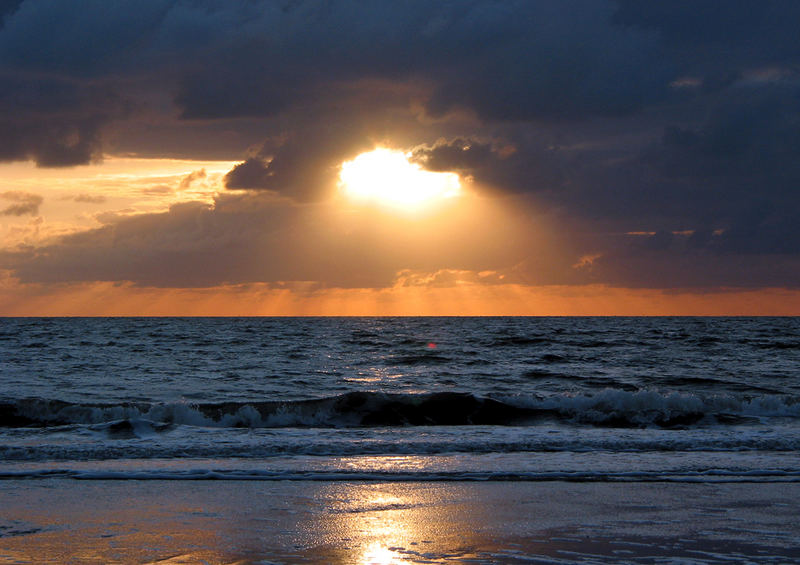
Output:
(608, 408)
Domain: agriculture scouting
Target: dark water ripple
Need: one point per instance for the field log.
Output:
(300, 358)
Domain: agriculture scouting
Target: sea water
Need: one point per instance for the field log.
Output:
(401, 399)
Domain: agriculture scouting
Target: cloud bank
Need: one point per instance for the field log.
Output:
(660, 139)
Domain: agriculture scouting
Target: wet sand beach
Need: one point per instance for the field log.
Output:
(75, 521)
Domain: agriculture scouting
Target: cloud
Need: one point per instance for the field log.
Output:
(186, 182)
(90, 198)
(258, 237)
(54, 121)
(547, 60)
(512, 60)
(7, 8)
(612, 116)
(304, 165)
(23, 203)
(512, 163)
(251, 173)
(586, 261)
(447, 278)
(224, 60)
(459, 155)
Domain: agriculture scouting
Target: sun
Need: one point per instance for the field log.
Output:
(387, 178)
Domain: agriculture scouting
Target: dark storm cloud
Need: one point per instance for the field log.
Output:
(624, 116)
(53, 121)
(511, 60)
(727, 155)
(304, 165)
(60, 84)
(735, 171)
(458, 155)
(650, 260)
(7, 7)
(718, 38)
(252, 173)
(515, 163)
(224, 60)
(551, 61)
(507, 60)
(88, 40)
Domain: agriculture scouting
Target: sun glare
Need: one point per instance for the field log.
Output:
(386, 177)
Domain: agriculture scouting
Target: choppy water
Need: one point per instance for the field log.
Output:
(678, 399)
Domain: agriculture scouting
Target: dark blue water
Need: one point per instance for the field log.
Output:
(403, 398)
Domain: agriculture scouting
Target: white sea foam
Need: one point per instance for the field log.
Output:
(712, 476)
(649, 407)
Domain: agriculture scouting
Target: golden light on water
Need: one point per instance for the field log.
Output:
(387, 178)
(395, 524)
(377, 554)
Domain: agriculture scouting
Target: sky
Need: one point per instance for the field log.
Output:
(290, 157)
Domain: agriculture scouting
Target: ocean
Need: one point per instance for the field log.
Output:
(401, 400)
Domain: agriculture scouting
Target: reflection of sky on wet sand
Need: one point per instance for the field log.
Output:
(248, 522)
(231, 522)
(400, 523)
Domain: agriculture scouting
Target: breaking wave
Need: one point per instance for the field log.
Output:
(608, 408)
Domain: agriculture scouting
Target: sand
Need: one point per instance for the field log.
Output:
(74, 521)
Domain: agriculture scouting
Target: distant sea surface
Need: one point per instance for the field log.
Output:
(415, 399)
